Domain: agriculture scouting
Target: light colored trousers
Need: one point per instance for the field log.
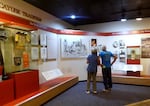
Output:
(91, 76)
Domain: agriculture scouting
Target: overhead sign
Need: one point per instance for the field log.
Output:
(11, 9)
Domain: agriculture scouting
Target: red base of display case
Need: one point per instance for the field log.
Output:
(133, 73)
(47, 91)
(25, 82)
(6, 91)
(136, 61)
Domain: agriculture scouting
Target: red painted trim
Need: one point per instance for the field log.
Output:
(143, 31)
(72, 32)
(15, 20)
(43, 27)
(136, 61)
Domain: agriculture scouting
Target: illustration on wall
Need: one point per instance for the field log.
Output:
(133, 54)
(73, 48)
(145, 49)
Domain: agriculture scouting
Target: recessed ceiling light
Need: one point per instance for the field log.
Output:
(72, 16)
(139, 19)
(123, 20)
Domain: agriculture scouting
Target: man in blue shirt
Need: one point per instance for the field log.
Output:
(106, 67)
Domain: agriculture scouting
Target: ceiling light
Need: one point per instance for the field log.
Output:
(139, 19)
(123, 20)
(139, 15)
(72, 16)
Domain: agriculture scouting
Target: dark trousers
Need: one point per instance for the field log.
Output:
(91, 76)
(107, 78)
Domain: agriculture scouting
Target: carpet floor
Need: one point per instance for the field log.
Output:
(119, 96)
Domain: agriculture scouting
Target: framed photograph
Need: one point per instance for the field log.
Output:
(34, 53)
(34, 39)
(122, 55)
(43, 39)
(43, 53)
(17, 61)
(93, 44)
(133, 54)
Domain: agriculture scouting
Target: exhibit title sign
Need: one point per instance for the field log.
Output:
(11, 9)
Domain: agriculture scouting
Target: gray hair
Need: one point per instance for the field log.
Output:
(94, 51)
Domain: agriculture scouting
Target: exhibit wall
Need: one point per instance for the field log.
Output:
(121, 31)
(116, 44)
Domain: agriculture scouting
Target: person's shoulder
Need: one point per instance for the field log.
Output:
(89, 55)
(101, 52)
(109, 52)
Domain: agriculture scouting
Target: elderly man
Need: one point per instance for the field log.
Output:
(106, 67)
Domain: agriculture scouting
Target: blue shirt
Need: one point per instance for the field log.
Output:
(106, 58)
(93, 62)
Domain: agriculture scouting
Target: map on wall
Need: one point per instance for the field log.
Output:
(73, 47)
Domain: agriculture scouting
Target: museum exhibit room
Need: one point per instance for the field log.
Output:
(60, 53)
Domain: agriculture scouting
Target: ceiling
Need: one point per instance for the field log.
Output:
(94, 11)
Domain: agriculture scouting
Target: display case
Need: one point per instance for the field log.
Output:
(6, 91)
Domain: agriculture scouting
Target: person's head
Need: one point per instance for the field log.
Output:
(94, 51)
(104, 48)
